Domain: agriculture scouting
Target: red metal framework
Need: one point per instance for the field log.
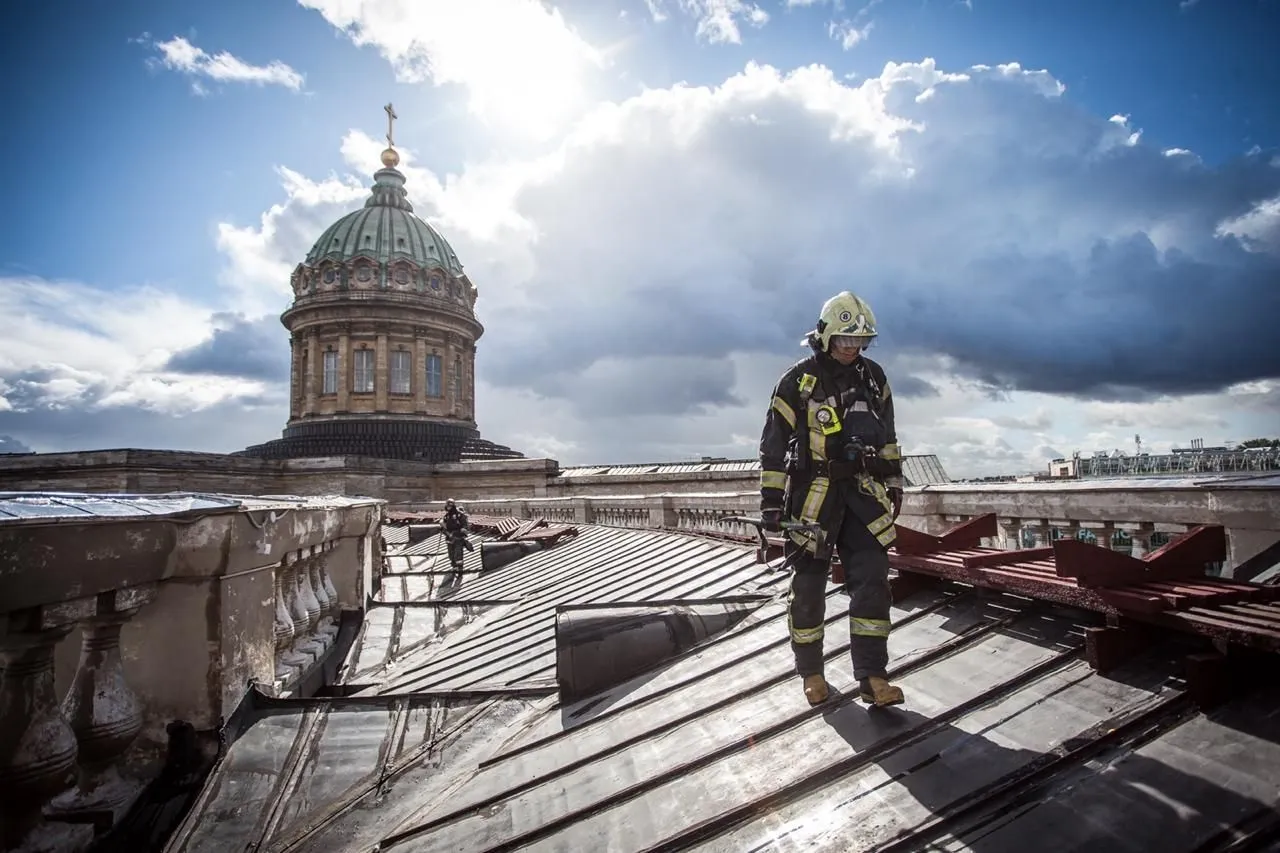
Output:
(1168, 586)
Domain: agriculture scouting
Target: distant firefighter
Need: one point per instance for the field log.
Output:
(833, 414)
(455, 533)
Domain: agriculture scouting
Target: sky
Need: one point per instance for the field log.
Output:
(1065, 216)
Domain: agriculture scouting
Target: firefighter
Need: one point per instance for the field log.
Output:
(455, 532)
(829, 455)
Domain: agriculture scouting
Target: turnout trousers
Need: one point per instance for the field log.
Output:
(455, 550)
(866, 579)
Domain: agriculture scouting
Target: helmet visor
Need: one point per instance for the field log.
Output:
(850, 342)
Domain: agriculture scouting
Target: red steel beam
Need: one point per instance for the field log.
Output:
(1100, 567)
(965, 535)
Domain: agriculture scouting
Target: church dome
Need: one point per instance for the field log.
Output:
(384, 249)
(385, 230)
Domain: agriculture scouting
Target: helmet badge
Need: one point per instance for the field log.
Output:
(845, 316)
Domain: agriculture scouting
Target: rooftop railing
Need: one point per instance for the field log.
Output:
(127, 621)
(1132, 515)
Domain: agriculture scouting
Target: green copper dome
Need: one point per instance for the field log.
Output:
(385, 230)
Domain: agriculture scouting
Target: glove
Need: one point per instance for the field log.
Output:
(771, 520)
(895, 498)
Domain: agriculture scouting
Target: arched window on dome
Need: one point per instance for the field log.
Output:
(400, 369)
(363, 371)
(434, 376)
(330, 382)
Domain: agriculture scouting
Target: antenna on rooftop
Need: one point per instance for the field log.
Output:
(1137, 443)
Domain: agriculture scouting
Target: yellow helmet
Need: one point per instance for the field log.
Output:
(845, 315)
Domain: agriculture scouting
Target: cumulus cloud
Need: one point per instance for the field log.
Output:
(849, 33)
(1044, 279)
(528, 75)
(718, 21)
(179, 54)
(261, 259)
(1259, 228)
(251, 349)
(644, 283)
(76, 359)
(984, 218)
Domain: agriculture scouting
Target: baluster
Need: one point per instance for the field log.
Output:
(294, 660)
(1044, 536)
(335, 606)
(313, 561)
(326, 624)
(1011, 529)
(284, 626)
(37, 747)
(1141, 543)
(102, 709)
(297, 605)
(306, 594)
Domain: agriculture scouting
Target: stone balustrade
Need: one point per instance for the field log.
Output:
(121, 617)
(1133, 515)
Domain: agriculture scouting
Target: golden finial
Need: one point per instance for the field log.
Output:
(390, 158)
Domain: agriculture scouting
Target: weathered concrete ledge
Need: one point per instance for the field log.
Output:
(161, 471)
(143, 610)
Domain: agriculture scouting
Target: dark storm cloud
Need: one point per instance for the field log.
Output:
(9, 444)
(912, 387)
(252, 349)
(1022, 244)
(658, 386)
(1129, 323)
(219, 429)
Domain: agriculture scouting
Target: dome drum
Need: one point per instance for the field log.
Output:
(365, 274)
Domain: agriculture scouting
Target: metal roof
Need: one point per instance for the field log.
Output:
(923, 470)
(497, 629)
(1009, 740)
(918, 470)
(56, 506)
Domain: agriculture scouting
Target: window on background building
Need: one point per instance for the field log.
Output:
(364, 371)
(400, 367)
(330, 373)
(434, 369)
(456, 381)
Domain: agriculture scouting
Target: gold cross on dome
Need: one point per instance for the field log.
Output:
(391, 117)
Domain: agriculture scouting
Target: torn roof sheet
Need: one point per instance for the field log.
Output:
(497, 629)
(72, 506)
(1008, 741)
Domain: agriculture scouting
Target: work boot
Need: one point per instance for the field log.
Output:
(815, 689)
(879, 692)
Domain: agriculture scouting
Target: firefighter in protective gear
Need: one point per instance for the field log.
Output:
(829, 454)
(455, 525)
